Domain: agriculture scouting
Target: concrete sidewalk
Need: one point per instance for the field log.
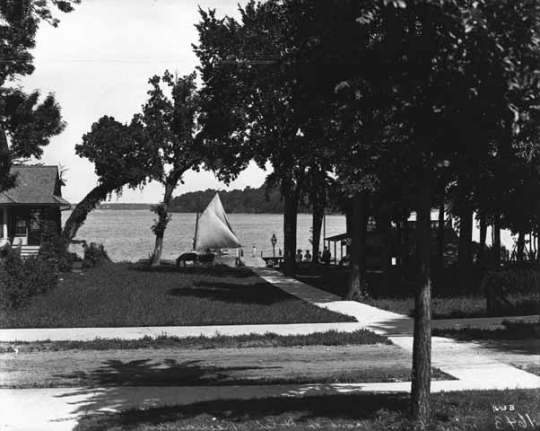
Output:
(379, 321)
(467, 362)
(133, 333)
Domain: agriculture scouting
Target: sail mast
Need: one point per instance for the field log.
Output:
(196, 221)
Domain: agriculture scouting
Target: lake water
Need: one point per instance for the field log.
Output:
(127, 236)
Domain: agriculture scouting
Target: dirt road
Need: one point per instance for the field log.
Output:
(181, 367)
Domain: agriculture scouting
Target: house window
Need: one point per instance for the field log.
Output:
(36, 220)
(20, 226)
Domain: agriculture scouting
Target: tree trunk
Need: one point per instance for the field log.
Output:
(441, 231)
(538, 249)
(405, 246)
(483, 234)
(348, 229)
(386, 255)
(358, 244)
(538, 235)
(163, 218)
(421, 372)
(520, 255)
(290, 213)
(318, 203)
(81, 211)
(534, 246)
(496, 240)
(464, 247)
(7, 180)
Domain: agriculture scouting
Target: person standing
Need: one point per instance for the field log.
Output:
(254, 251)
(299, 256)
(326, 256)
(307, 256)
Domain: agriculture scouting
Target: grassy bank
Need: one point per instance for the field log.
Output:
(473, 410)
(123, 295)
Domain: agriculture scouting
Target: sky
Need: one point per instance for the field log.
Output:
(98, 61)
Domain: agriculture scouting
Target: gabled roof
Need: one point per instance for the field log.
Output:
(35, 185)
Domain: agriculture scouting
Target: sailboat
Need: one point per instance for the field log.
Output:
(213, 231)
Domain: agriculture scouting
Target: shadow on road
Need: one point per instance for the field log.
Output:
(311, 407)
(168, 372)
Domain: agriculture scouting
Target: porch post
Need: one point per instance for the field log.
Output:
(5, 223)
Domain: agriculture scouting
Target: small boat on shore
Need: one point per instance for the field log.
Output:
(214, 238)
(213, 231)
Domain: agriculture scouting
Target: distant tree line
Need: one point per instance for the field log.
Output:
(249, 200)
(123, 206)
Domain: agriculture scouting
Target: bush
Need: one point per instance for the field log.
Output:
(53, 250)
(95, 254)
(41, 275)
(513, 280)
(22, 279)
(66, 260)
(12, 280)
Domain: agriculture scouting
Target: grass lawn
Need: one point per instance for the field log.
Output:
(473, 410)
(513, 330)
(328, 338)
(460, 306)
(123, 295)
(334, 280)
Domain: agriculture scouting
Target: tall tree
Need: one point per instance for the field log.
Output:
(445, 69)
(169, 118)
(121, 155)
(317, 191)
(250, 76)
(19, 22)
(358, 233)
(26, 124)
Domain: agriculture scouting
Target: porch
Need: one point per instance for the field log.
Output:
(24, 226)
(31, 208)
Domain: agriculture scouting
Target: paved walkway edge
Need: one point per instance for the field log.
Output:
(90, 334)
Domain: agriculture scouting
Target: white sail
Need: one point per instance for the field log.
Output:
(214, 230)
